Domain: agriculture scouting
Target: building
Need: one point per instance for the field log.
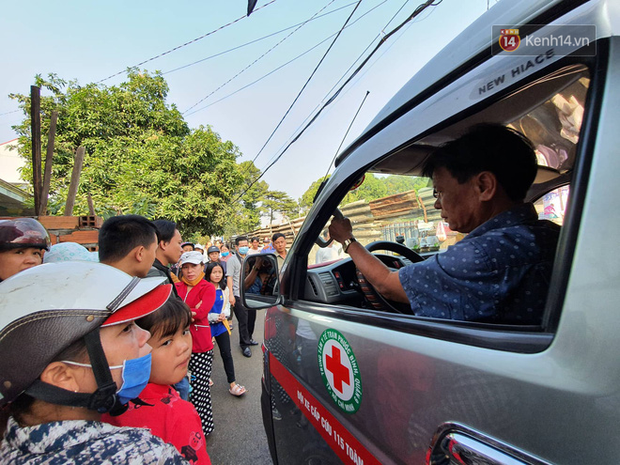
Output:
(14, 197)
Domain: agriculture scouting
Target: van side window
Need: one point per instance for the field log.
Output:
(394, 204)
(552, 205)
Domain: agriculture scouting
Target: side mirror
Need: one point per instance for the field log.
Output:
(259, 281)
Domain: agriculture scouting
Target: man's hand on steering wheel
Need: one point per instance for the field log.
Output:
(378, 278)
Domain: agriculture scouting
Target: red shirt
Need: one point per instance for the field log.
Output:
(169, 417)
(201, 331)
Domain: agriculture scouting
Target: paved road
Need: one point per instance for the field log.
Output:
(239, 437)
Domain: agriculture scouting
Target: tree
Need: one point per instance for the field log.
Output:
(307, 199)
(280, 202)
(372, 188)
(247, 210)
(141, 157)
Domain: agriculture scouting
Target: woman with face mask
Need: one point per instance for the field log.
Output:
(224, 253)
(70, 352)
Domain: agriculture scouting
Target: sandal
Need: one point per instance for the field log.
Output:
(237, 390)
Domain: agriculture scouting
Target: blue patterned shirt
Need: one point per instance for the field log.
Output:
(499, 273)
(84, 442)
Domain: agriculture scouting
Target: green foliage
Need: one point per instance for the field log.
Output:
(141, 157)
(281, 202)
(307, 199)
(245, 214)
(372, 188)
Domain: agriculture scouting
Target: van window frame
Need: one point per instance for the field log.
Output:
(518, 339)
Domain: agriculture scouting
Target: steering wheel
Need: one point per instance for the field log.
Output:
(372, 296)
(395, 247)
(377, 301)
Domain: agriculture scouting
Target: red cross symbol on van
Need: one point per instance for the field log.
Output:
(337, 369)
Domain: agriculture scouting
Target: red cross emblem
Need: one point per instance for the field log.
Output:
(339, 371)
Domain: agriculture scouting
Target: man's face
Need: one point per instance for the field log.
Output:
(214, 256)
(241, 244)
(459, 203)
(15, 260)
(188, 248)
(280, 245)
(173, 249)
(255, 244)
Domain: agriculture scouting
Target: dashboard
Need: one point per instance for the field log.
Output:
(336, 282)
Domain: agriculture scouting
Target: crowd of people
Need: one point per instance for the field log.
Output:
(122, 337)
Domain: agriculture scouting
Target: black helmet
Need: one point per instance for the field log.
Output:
(23, 233)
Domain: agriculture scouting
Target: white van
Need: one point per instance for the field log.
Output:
(348, 381)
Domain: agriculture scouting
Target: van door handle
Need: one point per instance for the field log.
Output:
(459, 449)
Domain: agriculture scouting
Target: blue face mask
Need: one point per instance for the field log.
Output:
(225, 254)
(136, 373)
(243, 250)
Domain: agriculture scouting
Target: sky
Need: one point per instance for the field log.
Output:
(241, 78)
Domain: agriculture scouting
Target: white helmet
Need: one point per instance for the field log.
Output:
(45, 309)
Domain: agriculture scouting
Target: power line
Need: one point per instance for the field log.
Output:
(256, 40)
(346, 134)
(352, 64)
(9, 112)
(185, 44)
(307, 81)
(344, 74)
(419, 9)
(258, 59)
(291, 61)
(416, 12)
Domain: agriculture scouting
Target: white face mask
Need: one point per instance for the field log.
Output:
(88, 365)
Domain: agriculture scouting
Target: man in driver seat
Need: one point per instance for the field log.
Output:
(500, 272)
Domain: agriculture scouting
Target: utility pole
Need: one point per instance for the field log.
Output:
(35, 128)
